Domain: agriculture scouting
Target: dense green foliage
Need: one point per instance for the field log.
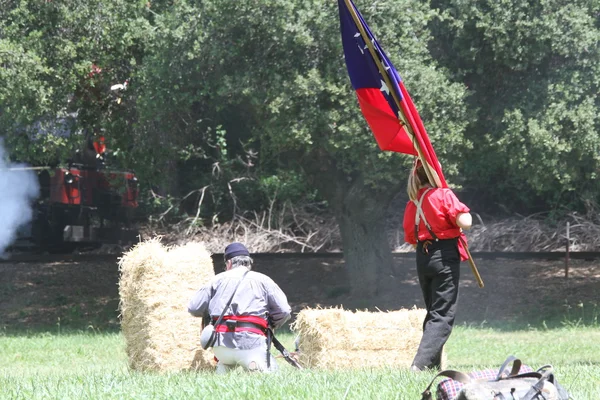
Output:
(225, 74)
(214, 84)
(206, 79)
(58, 61)
(532, 68)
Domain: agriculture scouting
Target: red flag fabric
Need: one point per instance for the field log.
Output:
(383, 99)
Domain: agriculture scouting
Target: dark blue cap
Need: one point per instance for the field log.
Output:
(234, 250)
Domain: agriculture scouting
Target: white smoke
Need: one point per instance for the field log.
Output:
(19, 187)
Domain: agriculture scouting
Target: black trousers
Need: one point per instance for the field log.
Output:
(438, 267)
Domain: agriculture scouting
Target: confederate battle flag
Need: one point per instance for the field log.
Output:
(382, 97)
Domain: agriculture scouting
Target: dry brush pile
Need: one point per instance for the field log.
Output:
(290, 228)
(537, 233)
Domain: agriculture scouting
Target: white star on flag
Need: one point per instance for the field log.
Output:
(384, 88)
(357, 35)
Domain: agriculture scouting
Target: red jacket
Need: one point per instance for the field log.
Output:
(440, 207)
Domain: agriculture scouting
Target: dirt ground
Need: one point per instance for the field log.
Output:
(83, 294)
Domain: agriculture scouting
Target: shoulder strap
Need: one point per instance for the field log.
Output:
(420, 215)
(516, 367)
(456, 375)
(231, 298)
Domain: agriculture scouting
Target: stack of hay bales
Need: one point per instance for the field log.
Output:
(155, 286)
(336, 339)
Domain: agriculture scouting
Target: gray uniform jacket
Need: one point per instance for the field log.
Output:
(257, 295)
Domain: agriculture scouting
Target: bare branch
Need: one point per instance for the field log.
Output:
(189, 230)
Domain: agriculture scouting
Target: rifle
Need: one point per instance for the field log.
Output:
(286, 354)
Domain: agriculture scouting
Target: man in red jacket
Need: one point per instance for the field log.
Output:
(433, 222)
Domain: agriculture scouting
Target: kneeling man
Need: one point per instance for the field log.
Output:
(257, 303)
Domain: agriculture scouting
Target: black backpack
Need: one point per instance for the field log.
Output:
(507, 385)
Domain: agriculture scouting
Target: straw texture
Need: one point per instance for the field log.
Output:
(155, 286)
(335, 338)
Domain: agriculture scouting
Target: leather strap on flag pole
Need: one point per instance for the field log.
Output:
(430, 174)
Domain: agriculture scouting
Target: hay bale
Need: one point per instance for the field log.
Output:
(155, 286)
(335, 338)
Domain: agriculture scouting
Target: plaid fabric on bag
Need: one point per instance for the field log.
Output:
(448, 388)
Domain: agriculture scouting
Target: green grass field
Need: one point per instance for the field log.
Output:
(94, 366)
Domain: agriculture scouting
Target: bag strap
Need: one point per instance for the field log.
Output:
(562, 392)
(536, 389)
(523, 375)
(516, 367)
(230, 299)
(456, 375)
(544, 368)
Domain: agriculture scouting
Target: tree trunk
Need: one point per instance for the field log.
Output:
(367, 252)
(360, 212)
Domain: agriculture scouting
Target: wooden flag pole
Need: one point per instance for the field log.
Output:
(430, 174)
(472, 264)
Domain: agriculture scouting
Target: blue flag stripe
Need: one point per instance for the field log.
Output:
(362, 68)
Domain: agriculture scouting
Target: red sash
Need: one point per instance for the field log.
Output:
(258, 323)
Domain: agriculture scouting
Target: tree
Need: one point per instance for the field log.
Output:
(58, 62)
(183, 117)
(274, 69)
(532, 68)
